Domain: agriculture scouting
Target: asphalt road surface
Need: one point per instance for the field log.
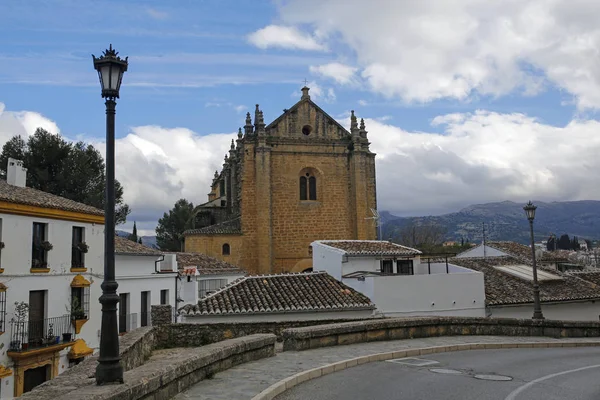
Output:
(511, 374)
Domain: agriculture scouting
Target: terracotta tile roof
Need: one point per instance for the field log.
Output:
(502, 288)
(206, 265)
(34, 197)
(558, 256)
(310, 291)
(370, 247)
(128, 247)
(231, 227)
(517, 250)
(593, 277)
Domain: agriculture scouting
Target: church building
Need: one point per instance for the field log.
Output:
(301, 178)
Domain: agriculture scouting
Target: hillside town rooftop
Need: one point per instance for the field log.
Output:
(370, 247)
(205, 265)
(502, 288)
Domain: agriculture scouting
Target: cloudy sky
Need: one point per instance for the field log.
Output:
(466, 101)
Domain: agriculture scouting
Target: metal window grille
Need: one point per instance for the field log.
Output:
(405, 267)
(207, 286)
(2, 309)
(77, 256)
(80, 298)
(387, 266)
(164, 296)
(38, 254)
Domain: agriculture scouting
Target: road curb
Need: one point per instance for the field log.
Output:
(285, 384)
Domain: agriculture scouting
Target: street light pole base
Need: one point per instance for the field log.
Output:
(109, 373)
(538, 315)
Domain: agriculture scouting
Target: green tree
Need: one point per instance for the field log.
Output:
(134, 237)
(575, 243)
(71, 170)
(564, 242)
(170, 228)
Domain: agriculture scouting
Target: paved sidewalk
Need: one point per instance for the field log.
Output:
(245, 381)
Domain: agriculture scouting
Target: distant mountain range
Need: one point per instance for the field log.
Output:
(506, 221)
(503, 221)
(149, 241)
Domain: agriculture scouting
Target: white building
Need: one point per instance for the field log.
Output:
(144, 279)
(51, 261)
(398, 282)
(200, 275)
(44, 265)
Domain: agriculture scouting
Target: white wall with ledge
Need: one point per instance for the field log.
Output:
(412, 295)
(433, 289)
(17, 231)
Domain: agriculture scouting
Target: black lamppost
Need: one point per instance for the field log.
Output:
(110, 69)
(537, 308)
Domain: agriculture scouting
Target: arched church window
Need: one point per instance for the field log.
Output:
(312, 188)
(308, 187)
(226, 249)
(303, 188)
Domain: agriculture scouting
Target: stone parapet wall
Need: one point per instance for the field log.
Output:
(191, 335)
(165, 374)
(407, 328)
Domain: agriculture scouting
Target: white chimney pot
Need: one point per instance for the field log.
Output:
(16, 175)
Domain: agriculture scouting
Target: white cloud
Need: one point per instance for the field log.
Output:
(482, 157)
(420, 51)
(340, 73)
(157, 14)
(285, 37)
(22, 123)
(319, 93)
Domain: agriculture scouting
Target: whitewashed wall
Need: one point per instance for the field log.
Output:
(328, 260)
(439, 294)
(16, 233)
(136, 274)
(567, 311)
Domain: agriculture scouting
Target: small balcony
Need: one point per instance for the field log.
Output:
(39, 336)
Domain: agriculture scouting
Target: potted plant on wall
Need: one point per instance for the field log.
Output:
(78, 316)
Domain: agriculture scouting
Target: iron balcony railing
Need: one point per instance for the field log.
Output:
(36, 333)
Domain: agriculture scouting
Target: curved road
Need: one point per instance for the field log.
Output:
(513, 374)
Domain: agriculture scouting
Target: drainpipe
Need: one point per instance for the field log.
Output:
(162, 258)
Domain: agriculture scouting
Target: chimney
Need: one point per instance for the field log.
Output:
(16, 175)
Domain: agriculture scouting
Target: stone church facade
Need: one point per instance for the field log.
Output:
(284, 185)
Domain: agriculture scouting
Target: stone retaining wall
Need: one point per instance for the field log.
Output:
(405, 328)
(162, 376)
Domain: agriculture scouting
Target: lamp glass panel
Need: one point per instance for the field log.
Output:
(115, 82)
(105, 75)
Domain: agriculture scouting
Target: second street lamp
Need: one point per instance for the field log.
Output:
(110, 69)
(537, 307)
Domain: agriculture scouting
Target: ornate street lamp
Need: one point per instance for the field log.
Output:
(537, 308)
(110, 69)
